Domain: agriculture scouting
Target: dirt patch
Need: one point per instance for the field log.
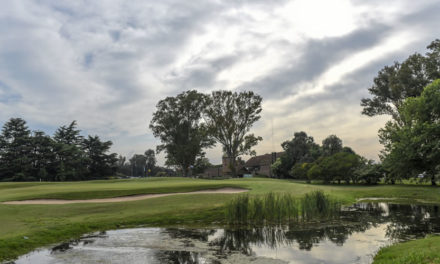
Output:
(123, 198)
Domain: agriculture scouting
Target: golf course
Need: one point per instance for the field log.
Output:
(27, 227)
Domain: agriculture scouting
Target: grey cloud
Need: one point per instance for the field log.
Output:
(261, 3)
(344, 95)
(427, 20)
(320, 55)
(159, 33)
(88, 59)
(317, 56)
(115, 34)
(203, 75)
(7, 94)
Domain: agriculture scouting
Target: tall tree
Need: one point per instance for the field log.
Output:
(150, 165)
(331, 145)
(433, 60)
(69, 135)
(121, 161)
(123, 167)
(177, 123)
(230, 116)
(42, 156)
(99, 164)
(395, 83)
(412, 145)
(15, 146)
(70, 159)
(138, 163)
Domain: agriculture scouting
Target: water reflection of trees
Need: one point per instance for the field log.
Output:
(179, 257)
(187, 236)
(404, 222)
(198, 234)
(306, 236)
(241, 240)
(409, 222)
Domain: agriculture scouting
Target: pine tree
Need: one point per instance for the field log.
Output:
(15, 150)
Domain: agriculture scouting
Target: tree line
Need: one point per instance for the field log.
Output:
(141, 165)
(304, 159)
(27, 155)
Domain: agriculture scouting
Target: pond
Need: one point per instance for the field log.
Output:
(354, 238)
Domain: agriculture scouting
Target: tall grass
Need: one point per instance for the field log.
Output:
(280, 208)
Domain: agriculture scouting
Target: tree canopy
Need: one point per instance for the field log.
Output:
(30, 156)
(412, 145)
(302, 148)
(331, 145)
(177, 122)
(393, 84)
(229, 117)
(336, 167)
(150, 162)
(303, 159)
(15, 149)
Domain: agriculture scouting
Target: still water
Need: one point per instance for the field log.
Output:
(354, 238)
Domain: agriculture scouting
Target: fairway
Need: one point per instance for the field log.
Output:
(45, 224)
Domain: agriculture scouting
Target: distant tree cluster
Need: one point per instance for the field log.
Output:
(27, 155)
(141, 165)
(410, 93)
(331, 162)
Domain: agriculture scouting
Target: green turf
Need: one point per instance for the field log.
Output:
(426, 251)
(45, 224)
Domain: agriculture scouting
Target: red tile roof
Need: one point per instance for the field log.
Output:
(261, 160)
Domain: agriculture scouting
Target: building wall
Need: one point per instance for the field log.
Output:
(265, 170)
(213, 172)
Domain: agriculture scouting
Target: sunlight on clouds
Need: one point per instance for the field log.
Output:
(320, 19)
(251, 68)
(350, 64)
(323, 120)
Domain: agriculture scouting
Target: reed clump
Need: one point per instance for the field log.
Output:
(281, 208)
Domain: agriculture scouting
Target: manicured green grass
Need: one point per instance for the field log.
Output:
(46, 224)
(426, 251)
(101, 189)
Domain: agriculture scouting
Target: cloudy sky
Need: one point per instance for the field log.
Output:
(107, 63)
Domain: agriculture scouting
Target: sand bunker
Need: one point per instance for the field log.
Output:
(123, 198)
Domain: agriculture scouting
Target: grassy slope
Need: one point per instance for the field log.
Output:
(45, 224)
